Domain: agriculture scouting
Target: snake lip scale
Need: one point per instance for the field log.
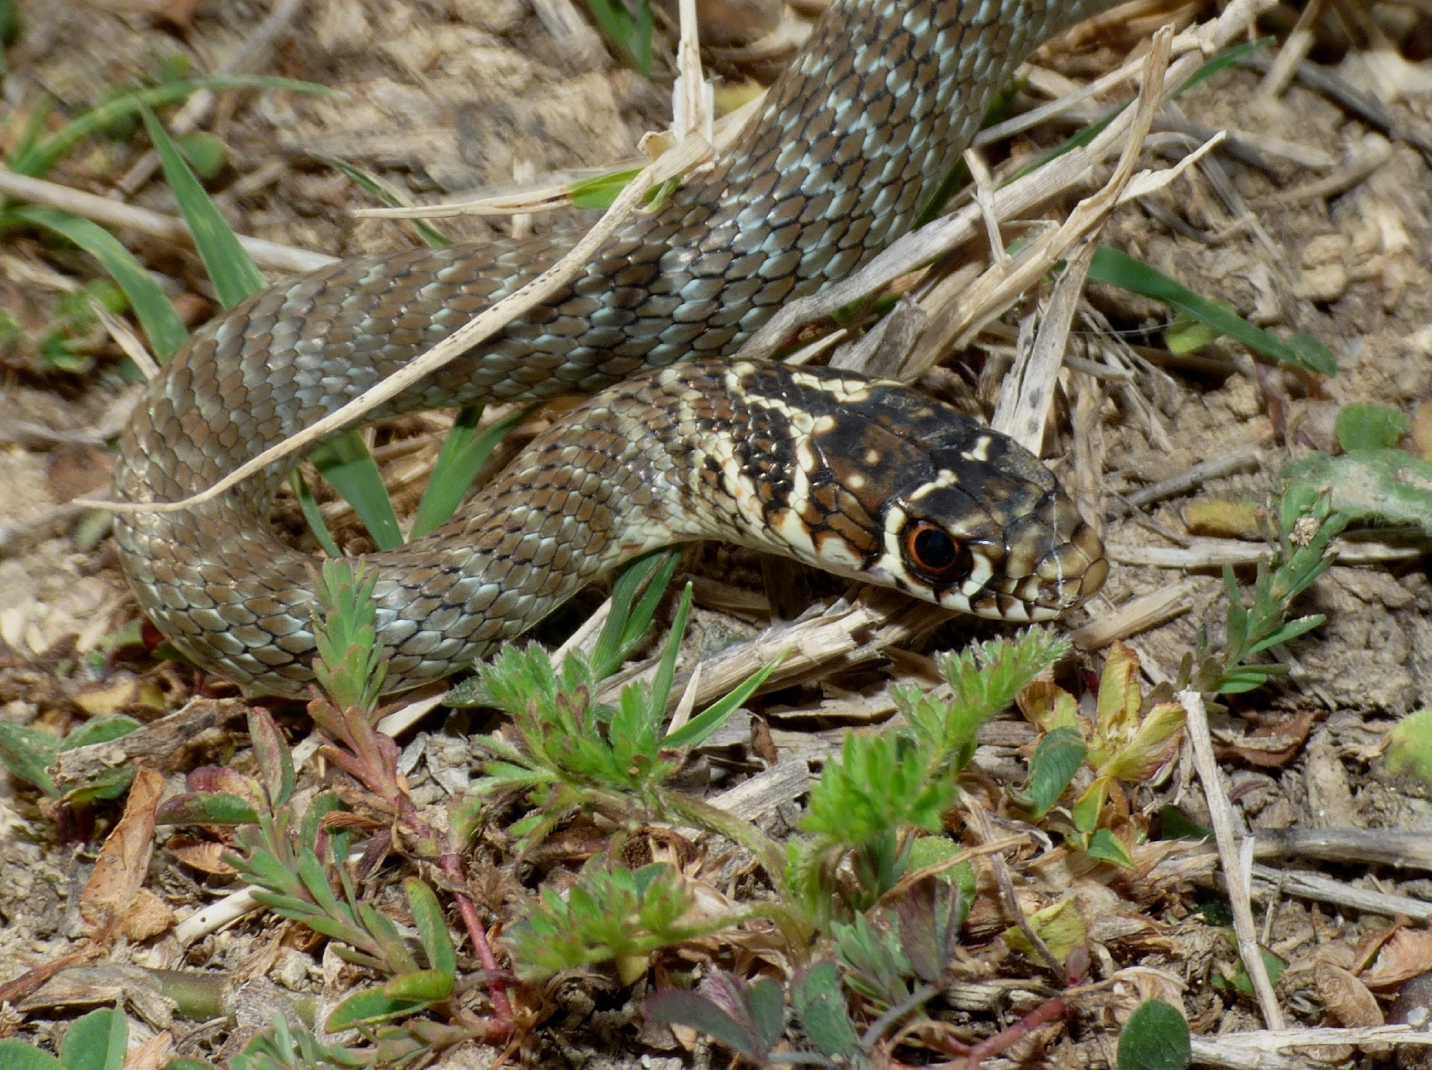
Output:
(863, 478)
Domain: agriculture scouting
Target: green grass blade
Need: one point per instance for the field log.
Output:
(700, 728)
(346, 463)
(314, 515)
(463, 455)
(37, 159)
(635, 596)
(630, 33)
(233, 272)
(156, 315)
(1119, 269)
(598, 193)
(384, 194)
(666, 670)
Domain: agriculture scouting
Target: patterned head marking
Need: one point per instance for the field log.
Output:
(889, 486)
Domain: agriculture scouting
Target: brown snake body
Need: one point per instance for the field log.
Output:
(864, 479)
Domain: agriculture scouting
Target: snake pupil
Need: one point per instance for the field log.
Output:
(935, 553)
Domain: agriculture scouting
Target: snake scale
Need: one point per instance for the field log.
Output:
(866, 479)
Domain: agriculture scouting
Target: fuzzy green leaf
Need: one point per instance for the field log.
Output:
(1051, 770)
(820, 1006)
(1370, 427)
(1155, 1038)
(207, 808)
(432, 927)
(17, 1055)
(275, 760)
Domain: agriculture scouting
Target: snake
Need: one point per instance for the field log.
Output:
(679, 440)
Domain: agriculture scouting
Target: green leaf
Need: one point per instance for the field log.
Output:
(346, 463)
(17, 1055)
(630, 33)
(100, 730)
(205, 153)
(432, 927)
(313, 514)
(156, 315)
(387, 195)
(597, 194)
(96, 1042)
(1155, 1038)
(666, 668)
(422, 985)
(271, 753)
(1107, 847)
(700, 1012)
(1119, 269)
(1288, 632)
(461, 459)
(1051, 770)
(27, 753)
(1174, 824)
(350, 666)
(231, 269)
(820, 1006)
(984, 679)
(370, 1006)
(880, 785)
(1388, 486)
(1242, 984)
(1370, 427)
(207, 808)
(390, 941)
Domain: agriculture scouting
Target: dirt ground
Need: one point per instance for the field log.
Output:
(438, 97)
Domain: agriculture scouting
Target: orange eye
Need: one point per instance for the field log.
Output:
(930, 550)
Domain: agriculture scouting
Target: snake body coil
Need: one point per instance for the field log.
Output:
(816, 465)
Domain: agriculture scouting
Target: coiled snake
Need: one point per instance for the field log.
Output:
(865, 479)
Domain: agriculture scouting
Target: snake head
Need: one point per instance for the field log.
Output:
(1000, 540)
(898, 489)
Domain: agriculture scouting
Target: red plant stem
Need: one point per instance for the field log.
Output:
(1051, 1010)
(501, 1005)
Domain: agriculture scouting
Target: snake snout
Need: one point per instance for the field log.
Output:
(1060, 556)
(1071, 565)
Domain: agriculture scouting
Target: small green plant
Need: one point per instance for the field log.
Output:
(1130, 736)
(612, 914)
(1308, 525)
(1373, 480)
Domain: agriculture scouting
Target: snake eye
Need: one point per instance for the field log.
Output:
(931, 550)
